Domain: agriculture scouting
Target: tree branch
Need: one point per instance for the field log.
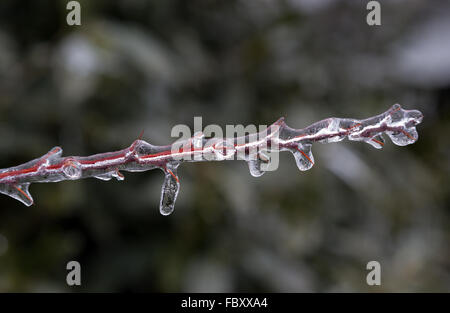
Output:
(397, 123)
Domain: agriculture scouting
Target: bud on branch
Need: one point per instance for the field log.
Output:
(397, 123)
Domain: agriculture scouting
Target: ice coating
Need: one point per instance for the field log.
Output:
(398, 124)
(169, 190)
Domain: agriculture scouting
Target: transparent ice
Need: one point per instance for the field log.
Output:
(398, 124)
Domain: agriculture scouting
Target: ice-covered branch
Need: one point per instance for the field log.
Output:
(397, 123)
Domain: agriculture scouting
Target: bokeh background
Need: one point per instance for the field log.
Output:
(135, 65)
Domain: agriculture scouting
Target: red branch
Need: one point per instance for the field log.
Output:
(397, 123)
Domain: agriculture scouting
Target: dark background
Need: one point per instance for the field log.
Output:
(135, 65)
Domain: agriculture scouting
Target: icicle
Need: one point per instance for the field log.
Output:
(105, 176)
(111, 174)
(255, 165)
(169, 190)
(118, 175)
(403, 137)
(18, 191)
(303, 156)
(255, 168)
(376, 142)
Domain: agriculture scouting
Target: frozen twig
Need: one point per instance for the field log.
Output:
(397, 123)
